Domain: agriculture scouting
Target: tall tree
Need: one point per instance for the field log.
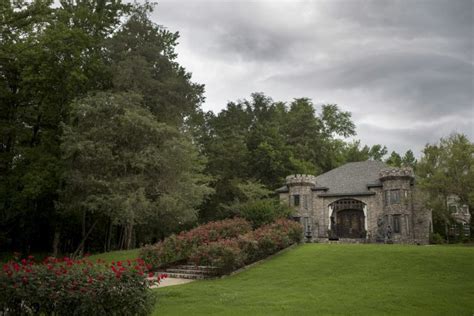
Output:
(127, 167)
(409, 160)
(395, 160)
(447, 168)
(143, 60)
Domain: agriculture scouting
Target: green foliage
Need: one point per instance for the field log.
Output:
(352, 152)
(253, 203)
(52, 58)
(126, 166)
(395, 160)
(262, 140)
(436, 238)
(261, 212)
(447, 168)
(48, 56)
(144, 61)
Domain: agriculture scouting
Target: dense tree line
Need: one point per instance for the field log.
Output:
(93, 114)
(103, 144)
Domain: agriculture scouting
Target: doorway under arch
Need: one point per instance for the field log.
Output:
(348, 219)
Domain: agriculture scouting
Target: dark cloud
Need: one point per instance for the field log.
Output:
(428, 84)
(403, 68)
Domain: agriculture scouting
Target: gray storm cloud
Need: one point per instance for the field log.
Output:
(403, 68)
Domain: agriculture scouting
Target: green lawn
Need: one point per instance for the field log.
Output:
(316, 279)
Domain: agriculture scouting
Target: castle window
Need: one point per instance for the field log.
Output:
(407, 224)
(296, 200)
(386, 197)
(396, 224)
(394, 196)
(405, 196)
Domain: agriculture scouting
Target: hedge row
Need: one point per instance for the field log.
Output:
(76, 287)
(228, 255)
(227, 244)
(179, 247)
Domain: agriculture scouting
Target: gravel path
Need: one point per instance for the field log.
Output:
(171, 282)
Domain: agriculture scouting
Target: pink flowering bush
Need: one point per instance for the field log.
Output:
(225, 255)
(76, 287)
(179, 247)
(229, 254)
(269, 239)
(225, 245)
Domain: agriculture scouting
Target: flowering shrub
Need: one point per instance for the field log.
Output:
(76, 287)
(225, 255)
(230, 254)
(226, 245)
(269, 239)
(179, 247)
(292, 229)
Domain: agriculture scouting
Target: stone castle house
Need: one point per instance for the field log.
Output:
(359, 202)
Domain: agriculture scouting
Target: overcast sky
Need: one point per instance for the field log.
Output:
(403, 68)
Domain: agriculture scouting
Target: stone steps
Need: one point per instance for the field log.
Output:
(188, 271)
(190, 276)
(193, 267)
(175, 270)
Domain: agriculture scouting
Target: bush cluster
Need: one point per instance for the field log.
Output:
(179, 247)
(225, 255)
(262, 212)
(228, 255)
(76, 287)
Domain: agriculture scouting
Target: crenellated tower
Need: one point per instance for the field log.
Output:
(396, 223)
(300, 198)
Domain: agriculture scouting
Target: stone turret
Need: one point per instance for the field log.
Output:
(397, 212)
(299, 186)
(301, 179)
(396, 173)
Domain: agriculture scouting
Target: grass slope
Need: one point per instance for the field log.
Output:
(315, 279)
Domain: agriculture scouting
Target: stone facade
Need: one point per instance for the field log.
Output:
(358, 202)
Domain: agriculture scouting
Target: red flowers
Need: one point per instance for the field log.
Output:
(70, 273)
(61, 283)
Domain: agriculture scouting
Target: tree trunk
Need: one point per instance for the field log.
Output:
(57, 234)
(121, 238)
(81, 245)
(128, 236)
(81, 249)
(109, 235)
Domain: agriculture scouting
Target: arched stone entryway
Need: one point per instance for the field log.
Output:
(348, 219)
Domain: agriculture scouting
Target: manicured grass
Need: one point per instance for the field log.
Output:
(316, 279)
(116, 255)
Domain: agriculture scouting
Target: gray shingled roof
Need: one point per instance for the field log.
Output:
(351, 178)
